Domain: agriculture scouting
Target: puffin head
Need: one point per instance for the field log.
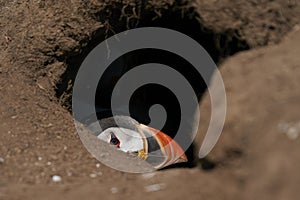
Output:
(124, 139)
(149, 144)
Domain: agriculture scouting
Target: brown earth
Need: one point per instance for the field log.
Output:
(257, 156)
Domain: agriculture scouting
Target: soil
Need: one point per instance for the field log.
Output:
(256, 44)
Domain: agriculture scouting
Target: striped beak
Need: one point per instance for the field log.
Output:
(160, 150)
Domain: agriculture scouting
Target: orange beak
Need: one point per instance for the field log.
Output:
(171, 150)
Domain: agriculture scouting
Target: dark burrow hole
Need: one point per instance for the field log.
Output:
(219, 45)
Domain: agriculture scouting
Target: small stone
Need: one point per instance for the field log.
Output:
(100, 173)
(292, 133)
(56, 178)
(148, 175)
(53, 157)
(291, 130)
(155, 187)
(114, 190)
(49, 163)
(296, 27)
(40, 158)
(98, 165)
(69, 173)
(93, 175)
(1, 160)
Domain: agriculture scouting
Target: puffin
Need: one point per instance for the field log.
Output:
(147, 143)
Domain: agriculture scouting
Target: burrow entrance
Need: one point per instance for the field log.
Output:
(218, 44)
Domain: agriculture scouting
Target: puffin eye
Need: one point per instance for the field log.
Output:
(114, 140)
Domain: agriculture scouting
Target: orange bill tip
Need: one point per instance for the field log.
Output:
(172, 150)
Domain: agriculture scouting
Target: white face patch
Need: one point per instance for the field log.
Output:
(130, 141)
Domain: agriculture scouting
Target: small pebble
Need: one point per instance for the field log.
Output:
(1, 160)
(296, 27)
(100, 173)
(69, 173)
(114, 190)
(40, 158)
(155, 187)
(98, 165)
(148, 175)
(291, 130)
(56, 178)
(93, 175)
(292, 133)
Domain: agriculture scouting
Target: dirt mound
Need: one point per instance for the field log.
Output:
(42, 44)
